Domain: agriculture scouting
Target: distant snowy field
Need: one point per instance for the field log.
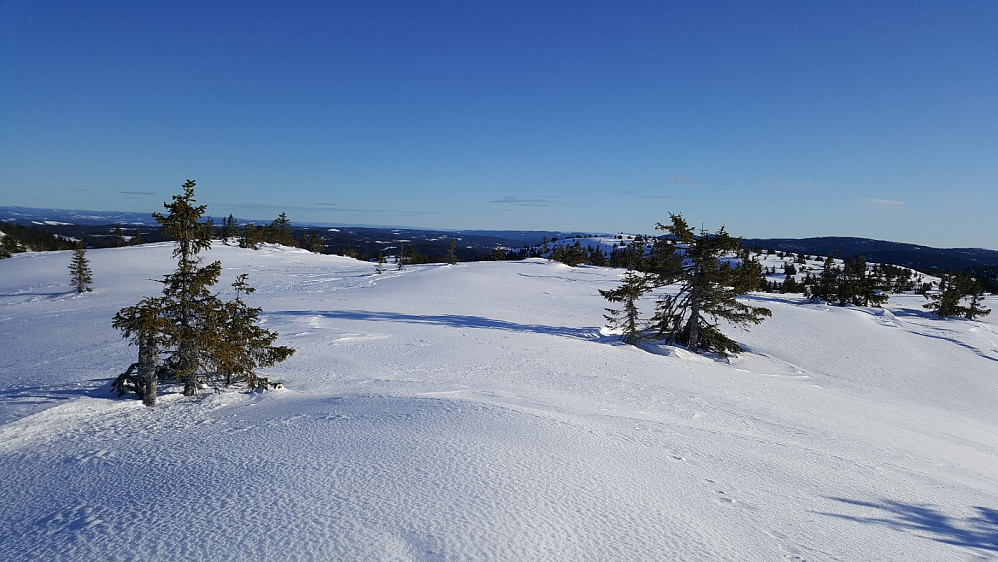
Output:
(480, 412)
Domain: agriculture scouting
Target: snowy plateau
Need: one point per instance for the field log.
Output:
(481, 412)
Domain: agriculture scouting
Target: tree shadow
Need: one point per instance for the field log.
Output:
(456, 321)
(978, 531)
(22, 401)
(38, 294)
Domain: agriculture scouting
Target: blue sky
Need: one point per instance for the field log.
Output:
(789, 119)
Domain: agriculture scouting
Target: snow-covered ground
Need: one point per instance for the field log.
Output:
(480, 412)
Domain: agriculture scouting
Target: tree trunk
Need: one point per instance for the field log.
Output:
(694, 336)
(148, 359)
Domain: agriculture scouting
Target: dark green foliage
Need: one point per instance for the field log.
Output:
(705, 287)
(19, 238)
(413, 256)
(250, 236)
(79, 270)
(627, 318)
(451, 256)
(279, 231)
(243, 346)
(572, 255)
(628, 255)
(596, 256)
(958, 295)
(204, 339)
(858, 286)
(315, 244)
(145, 325)
(379, 267)
(897, 279)
(854, 283)
(7, 246)
(791, 285)
(825, 287)
(229, 229)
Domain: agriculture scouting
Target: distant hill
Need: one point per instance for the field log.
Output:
(908, 255)
(62, 217)
(96, 227)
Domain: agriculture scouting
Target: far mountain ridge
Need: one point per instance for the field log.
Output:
(477, 242)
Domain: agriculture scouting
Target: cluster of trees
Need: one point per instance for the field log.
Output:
(189, 334)
(706, 280)
(853, 283)
(15, 238)
(886, 278)
(622, 254)
(120, 240)
(958, 295)
(279, 231)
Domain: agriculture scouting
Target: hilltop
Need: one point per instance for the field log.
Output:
(480, 411)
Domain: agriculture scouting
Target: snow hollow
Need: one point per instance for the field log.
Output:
(480, 412)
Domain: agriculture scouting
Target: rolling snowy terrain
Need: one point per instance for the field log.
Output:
(481, 412)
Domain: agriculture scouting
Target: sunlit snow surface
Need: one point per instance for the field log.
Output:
(480, 412)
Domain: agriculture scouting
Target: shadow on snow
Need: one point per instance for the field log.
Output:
(978, 531)
(456, 321)
(22, 401)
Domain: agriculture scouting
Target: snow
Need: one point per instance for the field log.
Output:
(482, 412)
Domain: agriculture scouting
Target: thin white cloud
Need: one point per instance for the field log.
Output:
(882, 202)
(519, 202)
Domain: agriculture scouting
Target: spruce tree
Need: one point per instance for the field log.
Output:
(205, 339)
(79, 269)
(187, 298)
(706, 287)
(229, 229)
(316, 243)
(825, 287)
(145, 325)
(627, 318)
(451, 257)
(243, 346)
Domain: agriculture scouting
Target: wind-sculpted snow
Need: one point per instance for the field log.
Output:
(481, 412)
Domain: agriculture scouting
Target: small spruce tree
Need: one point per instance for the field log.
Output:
(627, 318)
(451, 257)
(79, 270)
